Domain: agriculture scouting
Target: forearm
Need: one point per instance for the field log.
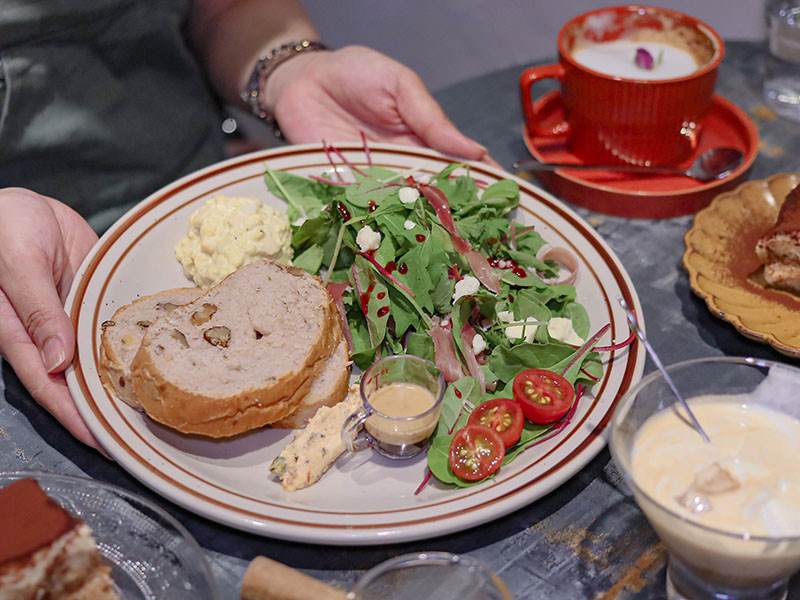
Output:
(230, 35)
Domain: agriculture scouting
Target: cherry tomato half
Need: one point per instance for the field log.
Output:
(544, 396)
(475, 453)
(501, 415)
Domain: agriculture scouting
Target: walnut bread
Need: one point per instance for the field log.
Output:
(122, 335)
(249, 352)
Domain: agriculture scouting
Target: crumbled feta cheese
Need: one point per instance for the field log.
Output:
(368, 239)
(408, 195)
(466, 286)
(517, 332)
(446, 322)
(506, 316)
(560, 328)
(409, 225)
(526, 330)
(478, 344)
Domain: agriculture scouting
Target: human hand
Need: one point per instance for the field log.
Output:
(336, 95)
(42, 243)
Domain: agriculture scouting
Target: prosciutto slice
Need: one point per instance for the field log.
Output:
(445, 350)
(467, 334)
(478, 263)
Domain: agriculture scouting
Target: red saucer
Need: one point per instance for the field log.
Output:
(643, 196)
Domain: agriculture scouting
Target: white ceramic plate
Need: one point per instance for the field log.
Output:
(364, 499)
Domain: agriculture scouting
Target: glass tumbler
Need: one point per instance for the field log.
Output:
(782, 69)
(430, 575)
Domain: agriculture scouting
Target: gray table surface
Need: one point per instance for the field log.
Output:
(585, 540)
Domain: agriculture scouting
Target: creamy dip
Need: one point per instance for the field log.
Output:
(402, 400)
(746, 482)
(617, 59)
(227, 233)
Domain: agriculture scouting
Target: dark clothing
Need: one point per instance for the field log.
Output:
(101, 101)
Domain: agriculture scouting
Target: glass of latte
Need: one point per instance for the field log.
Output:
(728, 511)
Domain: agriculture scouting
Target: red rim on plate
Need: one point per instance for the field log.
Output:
(642, 196)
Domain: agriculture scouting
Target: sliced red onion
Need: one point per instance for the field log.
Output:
(445, 351)
(565, 259)
(467, 334)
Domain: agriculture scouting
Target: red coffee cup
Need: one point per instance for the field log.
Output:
(613, 118)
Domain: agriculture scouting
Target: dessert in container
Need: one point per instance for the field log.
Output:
(704, 561)
(152, 556)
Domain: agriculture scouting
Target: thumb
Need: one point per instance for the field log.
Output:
(426, 119)
(31, 289)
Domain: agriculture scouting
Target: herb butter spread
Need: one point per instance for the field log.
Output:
(227, 233)
(314, 449)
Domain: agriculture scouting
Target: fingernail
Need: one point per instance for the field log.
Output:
(53, 354)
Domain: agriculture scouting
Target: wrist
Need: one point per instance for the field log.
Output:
(253, 95)
(283, 75)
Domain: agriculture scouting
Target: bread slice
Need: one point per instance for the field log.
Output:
(240, 356)
(122, 335)
(328, 387)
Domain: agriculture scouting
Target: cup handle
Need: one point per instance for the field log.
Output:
(526, 81)
(353, 435)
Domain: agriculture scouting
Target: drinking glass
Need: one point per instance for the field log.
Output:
(430, 575)
(395, 437)
(706, 562)
(782, 69)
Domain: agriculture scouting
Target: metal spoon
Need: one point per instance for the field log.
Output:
(634, 325)
(713, 164)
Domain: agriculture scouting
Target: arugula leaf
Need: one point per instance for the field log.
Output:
(530, 432)
(439, 460)
(301, 194)
(310, 260)
(506, 362)
(368, 189)
(503, 194)
(454, 414)
(420, 344)
(368, 283)
(580, 318)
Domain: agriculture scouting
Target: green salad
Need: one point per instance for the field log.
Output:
(437, 267)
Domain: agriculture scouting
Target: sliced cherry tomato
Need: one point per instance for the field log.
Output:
(501, 415)
(475, 453)
(544, 396)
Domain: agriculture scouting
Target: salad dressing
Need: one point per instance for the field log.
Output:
(397, 401)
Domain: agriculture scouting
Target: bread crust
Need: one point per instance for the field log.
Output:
(113, 374)
(336, 393)
(223, 416)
